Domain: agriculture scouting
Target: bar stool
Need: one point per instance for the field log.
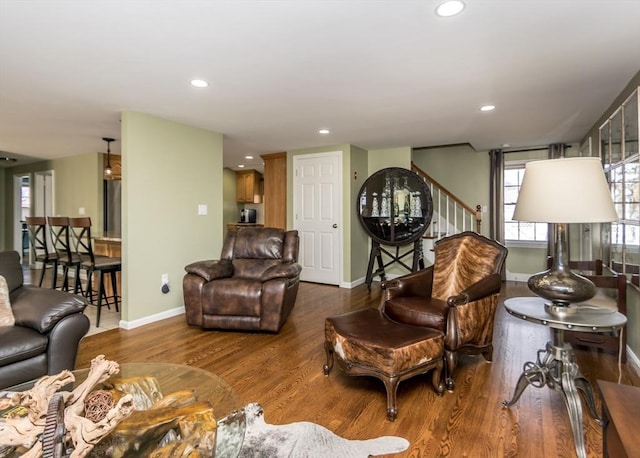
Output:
(59, 227)
(40, 252)
(81, 230)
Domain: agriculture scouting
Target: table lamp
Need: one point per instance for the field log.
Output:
(563, 191)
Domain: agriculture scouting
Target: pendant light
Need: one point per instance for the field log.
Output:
(107, 169)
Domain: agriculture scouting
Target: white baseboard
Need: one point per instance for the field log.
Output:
(353, 284)
(514, 276)
(632, 361)
(151, 318)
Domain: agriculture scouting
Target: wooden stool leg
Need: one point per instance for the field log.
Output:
(114, 288)
(77, 285)
(65, 278)
(54, 275)
(100, 293)
(44, 268)
(89, 292)
(391, 385)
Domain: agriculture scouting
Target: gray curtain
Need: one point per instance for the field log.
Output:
(496, 200)
(557, 150)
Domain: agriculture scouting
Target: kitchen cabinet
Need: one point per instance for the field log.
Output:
(275, 190)
(249, 186)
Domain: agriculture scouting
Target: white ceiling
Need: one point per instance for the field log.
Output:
(376, 73)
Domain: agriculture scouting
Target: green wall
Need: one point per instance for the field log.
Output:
(4, 201)
(168, 170)
(230, 212)
(460, 169)
(633, 293)
(357, 165)
(615, 104)
(359, 252)
(346, 241)
(381, 159)
(78, 184)
(389, 157)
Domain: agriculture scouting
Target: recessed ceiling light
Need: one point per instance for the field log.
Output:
(450, 8)
(199, 83)
(487, 108)
(248, 157)
(506, 145)
(241, 166)
(323, 131)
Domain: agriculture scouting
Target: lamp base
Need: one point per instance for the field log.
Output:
(562, 288)
(560, 310)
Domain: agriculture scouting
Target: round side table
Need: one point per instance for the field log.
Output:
(556, 365)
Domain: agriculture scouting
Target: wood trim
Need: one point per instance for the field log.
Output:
(424, 174)
(273, 155)
(275, 190)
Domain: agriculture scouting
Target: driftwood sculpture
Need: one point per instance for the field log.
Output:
(133, 417)
(23, 431)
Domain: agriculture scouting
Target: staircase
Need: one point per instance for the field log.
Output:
(450, 215)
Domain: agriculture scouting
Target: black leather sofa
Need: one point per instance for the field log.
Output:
(48, 328)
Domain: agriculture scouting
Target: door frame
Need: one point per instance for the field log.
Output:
(17, 210)
(42, 197)
(339, 257)
(44, 203)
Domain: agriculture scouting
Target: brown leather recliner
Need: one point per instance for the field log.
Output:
(253, 287)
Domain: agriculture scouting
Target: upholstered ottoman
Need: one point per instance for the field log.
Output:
(366, 342)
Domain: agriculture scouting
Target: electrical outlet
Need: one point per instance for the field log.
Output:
(165, 279)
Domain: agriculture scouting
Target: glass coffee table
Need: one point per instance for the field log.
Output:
(225, 402)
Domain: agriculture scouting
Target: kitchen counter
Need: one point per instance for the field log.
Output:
(236, 226)
(108, 237)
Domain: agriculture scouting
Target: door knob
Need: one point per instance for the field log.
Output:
(335, 226)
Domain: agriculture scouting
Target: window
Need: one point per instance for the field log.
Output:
(619, 152)
(518, 230)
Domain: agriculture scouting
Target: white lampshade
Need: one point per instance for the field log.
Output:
(568, 190)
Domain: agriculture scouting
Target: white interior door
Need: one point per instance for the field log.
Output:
(317, 208)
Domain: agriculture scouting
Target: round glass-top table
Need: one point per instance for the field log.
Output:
(207, 386)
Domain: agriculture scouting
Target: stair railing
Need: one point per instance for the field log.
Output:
(450, 215)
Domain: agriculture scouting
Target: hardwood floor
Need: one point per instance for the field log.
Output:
(284, 374)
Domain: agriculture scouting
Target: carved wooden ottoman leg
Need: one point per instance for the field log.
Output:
(488, 353)
(436, 378)
(328, 349)
(450, 363)
(391, 385)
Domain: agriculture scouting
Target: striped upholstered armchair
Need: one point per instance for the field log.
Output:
(457, 295)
